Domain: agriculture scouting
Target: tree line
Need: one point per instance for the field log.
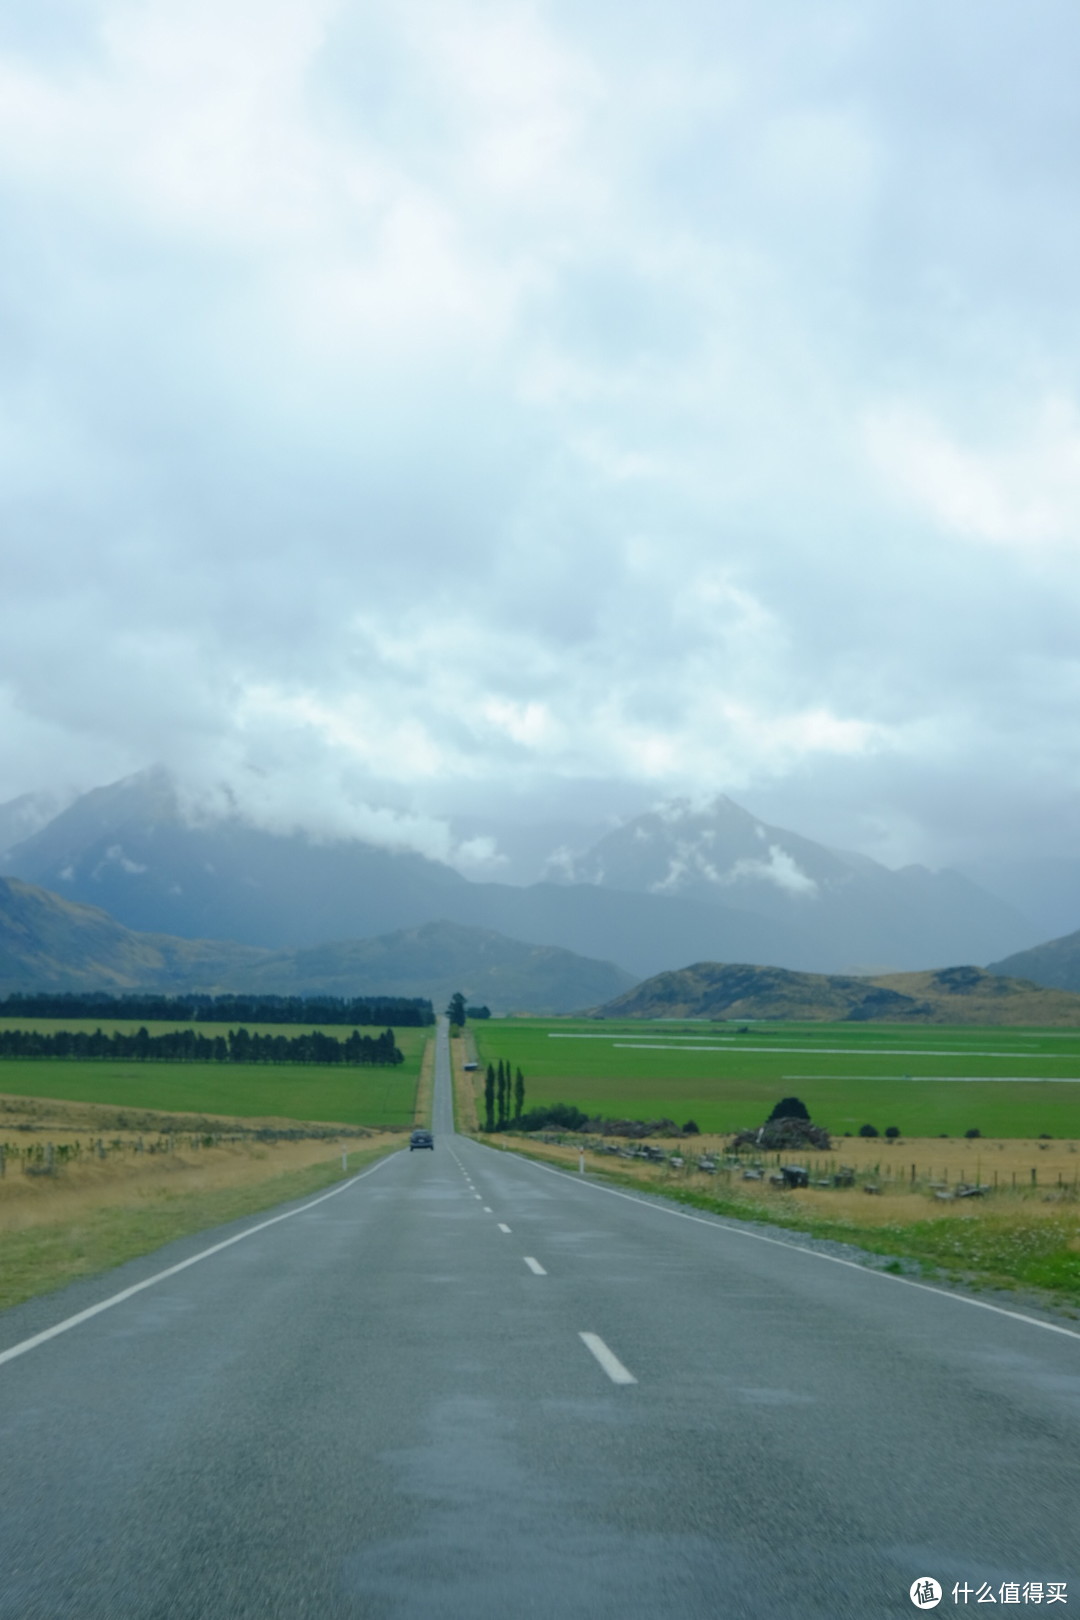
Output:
(457, 1012)
(406, 1012)
(501, 1088)
(191, 1046)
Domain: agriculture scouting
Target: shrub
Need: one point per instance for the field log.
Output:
(869, 1130)
(790, 1108)
(973, 1133)
(691, 1128)
(892, 1132)
(560, 1116)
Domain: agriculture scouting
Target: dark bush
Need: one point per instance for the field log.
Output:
(557, 1116)
(691, 1128)
(974, 1131)
(869, 1130)
(790, 1108)
(892, 1132)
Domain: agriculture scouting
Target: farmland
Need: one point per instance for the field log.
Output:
(352, 1096)
(927, 1081)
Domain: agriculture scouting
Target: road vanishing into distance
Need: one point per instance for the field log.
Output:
(462, 1386)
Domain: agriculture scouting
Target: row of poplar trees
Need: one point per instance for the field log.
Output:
(501, 1088)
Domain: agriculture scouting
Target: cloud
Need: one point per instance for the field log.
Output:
(780, 869)
(1022, 493)
(416, 407)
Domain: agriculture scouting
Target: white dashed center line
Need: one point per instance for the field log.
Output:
(503, 1227)
(610, 1362)
(535, 1266)
(488, 1210)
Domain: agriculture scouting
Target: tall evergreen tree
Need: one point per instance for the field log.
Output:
(456, 1010)
(489, 1099)
(519, 1095)
(502, 1090)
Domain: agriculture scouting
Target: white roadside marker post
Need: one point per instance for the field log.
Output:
(581, 1161)
(344, 1161)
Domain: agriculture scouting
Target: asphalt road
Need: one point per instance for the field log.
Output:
(383, 1405)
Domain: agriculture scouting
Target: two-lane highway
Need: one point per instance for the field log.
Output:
(464, 1384)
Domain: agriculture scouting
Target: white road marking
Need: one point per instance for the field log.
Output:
(503, 1227)
(488, 1210)
(477, 1197)
(171, 1271)
(534, 1266)
(815, 1254)
(610, 1362)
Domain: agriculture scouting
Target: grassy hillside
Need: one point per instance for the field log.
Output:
(439, 958)
(960, 995)
(49, 943)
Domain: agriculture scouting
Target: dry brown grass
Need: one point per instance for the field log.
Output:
(174, 1158)
(939, 1164)
(425, 1087)
(463, 1051)
(205, 1170)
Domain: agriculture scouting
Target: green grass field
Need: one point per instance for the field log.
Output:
(928, 1080)
(350, 1096)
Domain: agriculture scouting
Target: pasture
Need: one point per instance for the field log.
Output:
(84, 1187)
(344, 1095)
(927, 1080)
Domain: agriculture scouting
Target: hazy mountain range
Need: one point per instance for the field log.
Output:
(676, 885)
(861, 913)
(48, 943)
(1057, 963)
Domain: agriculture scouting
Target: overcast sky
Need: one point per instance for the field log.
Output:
(426, 407)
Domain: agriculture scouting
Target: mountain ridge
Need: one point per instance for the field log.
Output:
(707, 884)
(742, 990)
(1055, 964)
(860, 911)
(50, 943)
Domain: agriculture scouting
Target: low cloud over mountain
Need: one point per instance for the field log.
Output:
(677, 884)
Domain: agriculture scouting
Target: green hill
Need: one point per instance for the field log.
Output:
(959, 995)
(48, 943)
(504, 974)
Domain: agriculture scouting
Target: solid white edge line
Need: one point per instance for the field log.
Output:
(607, 1359)
(534, 1266)
(719, 1225)
(182, 1265)
(503, 1227)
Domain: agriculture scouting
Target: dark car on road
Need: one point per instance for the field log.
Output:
(421, 1139)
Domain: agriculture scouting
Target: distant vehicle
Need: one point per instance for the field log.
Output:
(421, 1139)
(468, 1066)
